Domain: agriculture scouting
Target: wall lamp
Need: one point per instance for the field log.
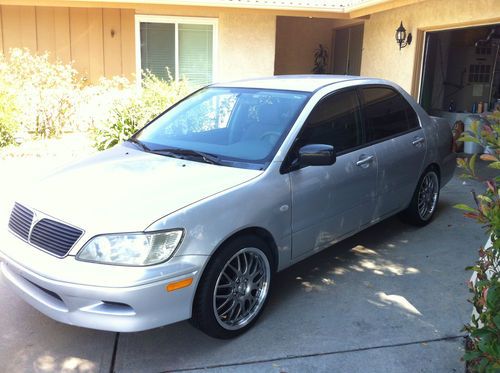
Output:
(401, 38)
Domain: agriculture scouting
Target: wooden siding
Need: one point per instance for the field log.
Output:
(100, 42)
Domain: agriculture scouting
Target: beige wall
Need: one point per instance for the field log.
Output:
(381, 55)
(101, 41)
(296, 40)
(246, 45)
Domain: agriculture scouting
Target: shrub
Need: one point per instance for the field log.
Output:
(8, 114)
(45, 93)
(146, 102)
(483, 348)
(46, 99)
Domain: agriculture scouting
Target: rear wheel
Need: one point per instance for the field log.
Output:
(234, 288)
(425, 199)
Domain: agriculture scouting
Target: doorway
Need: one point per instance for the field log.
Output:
(347, 50)
(460, 72)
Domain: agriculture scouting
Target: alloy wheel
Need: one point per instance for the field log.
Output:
(241, 288)
(428, 195)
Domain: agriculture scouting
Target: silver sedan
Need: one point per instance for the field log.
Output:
(192, 216)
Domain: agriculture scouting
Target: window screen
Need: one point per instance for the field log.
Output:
(335, 121)
(387, 113)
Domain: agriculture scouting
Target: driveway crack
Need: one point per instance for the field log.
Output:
(113, 356)
(291, 357)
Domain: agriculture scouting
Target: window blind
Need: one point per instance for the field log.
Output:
(195, 53)
(158, 48)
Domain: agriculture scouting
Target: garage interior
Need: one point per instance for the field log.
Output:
(461, 73)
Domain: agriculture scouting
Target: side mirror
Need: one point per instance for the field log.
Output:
(316, 155)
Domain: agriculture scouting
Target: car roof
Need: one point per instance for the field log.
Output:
(304, 83)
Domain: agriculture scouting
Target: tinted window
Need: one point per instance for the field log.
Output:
(387, 113)
(335, 121)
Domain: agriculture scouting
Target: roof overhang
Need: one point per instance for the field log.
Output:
(344, 9)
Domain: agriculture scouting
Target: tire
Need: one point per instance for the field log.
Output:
(234, 288)
(424, 201)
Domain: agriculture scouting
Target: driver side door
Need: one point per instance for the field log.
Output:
(331, 202)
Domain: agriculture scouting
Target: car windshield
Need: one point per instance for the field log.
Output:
(236, 127)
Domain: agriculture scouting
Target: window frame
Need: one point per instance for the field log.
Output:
(363, 113)
(287, 165)
(214, 22)
(359, 114)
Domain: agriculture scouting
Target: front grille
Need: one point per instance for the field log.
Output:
(20, 221)
(55, 237)
(47, 234)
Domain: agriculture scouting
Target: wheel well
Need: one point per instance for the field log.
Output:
(262, 234)
(251, 231)
(435, 167)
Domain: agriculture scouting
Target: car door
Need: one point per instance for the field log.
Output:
(393, 129)
(330, 202)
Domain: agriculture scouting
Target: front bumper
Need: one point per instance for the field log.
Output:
(124, 304)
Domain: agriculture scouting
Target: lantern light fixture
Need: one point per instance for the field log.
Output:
(401, 37)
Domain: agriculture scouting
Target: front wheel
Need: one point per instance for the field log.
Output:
(234, 288)
(425, 199)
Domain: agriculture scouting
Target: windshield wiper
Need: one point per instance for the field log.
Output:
(176, 152)
(139, 143)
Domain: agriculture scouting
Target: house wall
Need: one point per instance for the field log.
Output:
(246, 45)
(298, 37)
(101, 41)
(381, 55)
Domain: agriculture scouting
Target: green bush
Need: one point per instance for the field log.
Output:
(483, 347)
(45, 93)
(153, 97)
(45, 99)
(8, 114)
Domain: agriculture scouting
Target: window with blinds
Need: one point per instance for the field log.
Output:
(178, 50)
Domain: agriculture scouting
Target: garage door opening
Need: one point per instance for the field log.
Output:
(461, 72)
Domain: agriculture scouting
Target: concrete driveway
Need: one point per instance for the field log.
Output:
(390, 299)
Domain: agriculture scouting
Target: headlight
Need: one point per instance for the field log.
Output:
(133, 249)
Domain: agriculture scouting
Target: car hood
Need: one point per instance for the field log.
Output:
(126, 190)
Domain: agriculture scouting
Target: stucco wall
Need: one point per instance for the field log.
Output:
(246, 45)
(296, 40)
(381, 55)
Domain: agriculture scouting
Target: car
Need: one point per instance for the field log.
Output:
(193, 215)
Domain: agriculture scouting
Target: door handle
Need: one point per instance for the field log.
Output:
(363, 162)
(417, 141)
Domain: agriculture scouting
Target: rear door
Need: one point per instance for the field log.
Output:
(393, 129)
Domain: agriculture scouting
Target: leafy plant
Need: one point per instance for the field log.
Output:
(45, 93)
(483, 347)
(45, 99)
(155, 96)
(8, 114)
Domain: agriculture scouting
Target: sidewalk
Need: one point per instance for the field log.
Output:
(390, 299)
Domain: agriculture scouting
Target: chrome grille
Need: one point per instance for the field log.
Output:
(54, 237)
(20, 221)
(47, 234)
